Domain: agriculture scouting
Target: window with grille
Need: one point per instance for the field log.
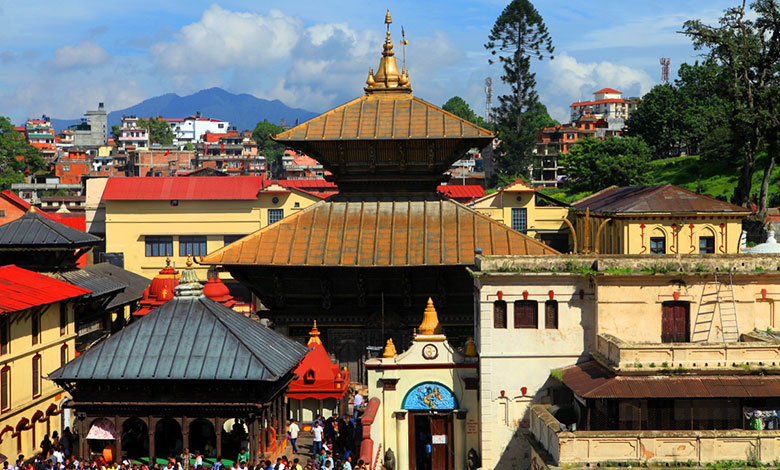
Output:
(35, 321)
(192, 245)
(519, 219)
(63, 355)
(36, 375)
(4, 335)
(551, 315)
(657, 245)
(159, 245)
(5, 388)
(275, 215)
(526, 314)
(706, 245)
(499, 314)
(63, 318)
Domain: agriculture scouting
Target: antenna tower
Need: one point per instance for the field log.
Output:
(488, 97)
(665, 61)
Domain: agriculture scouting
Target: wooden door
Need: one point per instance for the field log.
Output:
(442, 445)
(675, 322)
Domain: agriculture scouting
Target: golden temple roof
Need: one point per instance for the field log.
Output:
(430, 323)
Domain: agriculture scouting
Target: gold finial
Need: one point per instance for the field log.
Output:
(314, 335)
(430, 324)
(167, 261)
(389, 349)
(370, 80)
(471, 348)
(388, 77)
(388, 20)
(32, 209)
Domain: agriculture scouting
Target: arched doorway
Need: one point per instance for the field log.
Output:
(203, 439)
(135, 438)
(167, 438)
(234, 437)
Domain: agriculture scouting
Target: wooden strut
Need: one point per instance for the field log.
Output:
(573, 234)
(598, 235)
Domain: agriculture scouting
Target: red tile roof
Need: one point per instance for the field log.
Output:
(462, 191)
(607, 90)
(24, 205)
(21, 289)
(587, 103)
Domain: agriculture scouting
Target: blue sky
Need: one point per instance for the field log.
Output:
(60, 58)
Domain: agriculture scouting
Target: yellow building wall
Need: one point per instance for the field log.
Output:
(631, 235)
(19, 358)
(129, 222)
(540, 219)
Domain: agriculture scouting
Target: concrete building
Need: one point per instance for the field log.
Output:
(191, 129)
(40, 134)
(626, 359)
(608, 103)
(93, 129)
(132, 134)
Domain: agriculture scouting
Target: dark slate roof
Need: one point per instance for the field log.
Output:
(134, 283)
(188, 339)
(34, 230)
(659, 198)
(98, 284)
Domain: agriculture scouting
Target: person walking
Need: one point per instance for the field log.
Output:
(357, 402)
(316, 431)
(292, 435)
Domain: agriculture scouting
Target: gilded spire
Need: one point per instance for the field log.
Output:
(314, 335)
(471, 348)
(388, 77)
(389, 347)
(430, 324)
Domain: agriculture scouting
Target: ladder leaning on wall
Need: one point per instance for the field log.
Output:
(716, 296)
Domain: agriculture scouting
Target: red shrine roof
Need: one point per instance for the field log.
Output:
(318, 377)
(217, 291)
(21, 289)
(159, 291)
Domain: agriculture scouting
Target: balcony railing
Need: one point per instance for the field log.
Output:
(698, 447)
(753, 350)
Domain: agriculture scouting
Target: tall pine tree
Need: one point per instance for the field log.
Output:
(518, 36)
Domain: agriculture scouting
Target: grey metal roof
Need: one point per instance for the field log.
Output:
(135, 284)
(34, 230)
(97, 283)
(188, 339)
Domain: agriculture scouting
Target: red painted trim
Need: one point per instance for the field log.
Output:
(419, 366)
(369, 415)
(642, 235)
(673, 248)
(722, 237)
(693, 248)
(37, 380)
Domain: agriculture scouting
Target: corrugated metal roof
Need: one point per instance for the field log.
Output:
(400, 117)
(99, 285)
(188, 339)
(190, 188)
(35, 230)
(134, 284)
(592, 380)
(659, 198)
(21, 289)
(378, 233)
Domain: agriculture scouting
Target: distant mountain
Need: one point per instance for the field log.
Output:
(243, 111)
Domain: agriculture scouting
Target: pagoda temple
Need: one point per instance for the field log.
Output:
(320, 385)
(160, 290)
(365, 261)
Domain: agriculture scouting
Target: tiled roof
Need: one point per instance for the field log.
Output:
(659, 198)
(35, 230)
(370, 118)
(607, 90)
(21, 289)
(462, 191)
(96, 283)
(188, 339)
(378, 233)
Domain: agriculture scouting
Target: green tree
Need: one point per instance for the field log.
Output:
(272, 151)
(458, 106)
(518, 35)
(17, 157)
(116, 132)
(159, 130)
(657, 121)
(593, 164)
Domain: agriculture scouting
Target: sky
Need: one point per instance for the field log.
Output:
(62, 58)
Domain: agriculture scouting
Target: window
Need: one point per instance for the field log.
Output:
(499, 314)
(657, 245)
(65, 167)
(192, 245)
(275, 215)
(526, 314)
(2, 212)
(706, 244)
(4, 335)
(35, 320)
(159, 246)
(5, 388)
(63, 355)
(551, 315)
(519, 219)
(232, 238)
(63, 318)
(36, 375)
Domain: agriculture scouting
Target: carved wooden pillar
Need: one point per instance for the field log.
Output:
(253, 444)
(264, 430)
(118, 441)
(151, 424)
(185, 432)
(218, 423)
(83, 430)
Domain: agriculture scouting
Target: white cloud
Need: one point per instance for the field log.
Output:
(578, 80)
(224, 38)
(84, 54)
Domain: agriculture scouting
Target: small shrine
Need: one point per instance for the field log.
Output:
(427, 398)
(160, 290)
(320, 386)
